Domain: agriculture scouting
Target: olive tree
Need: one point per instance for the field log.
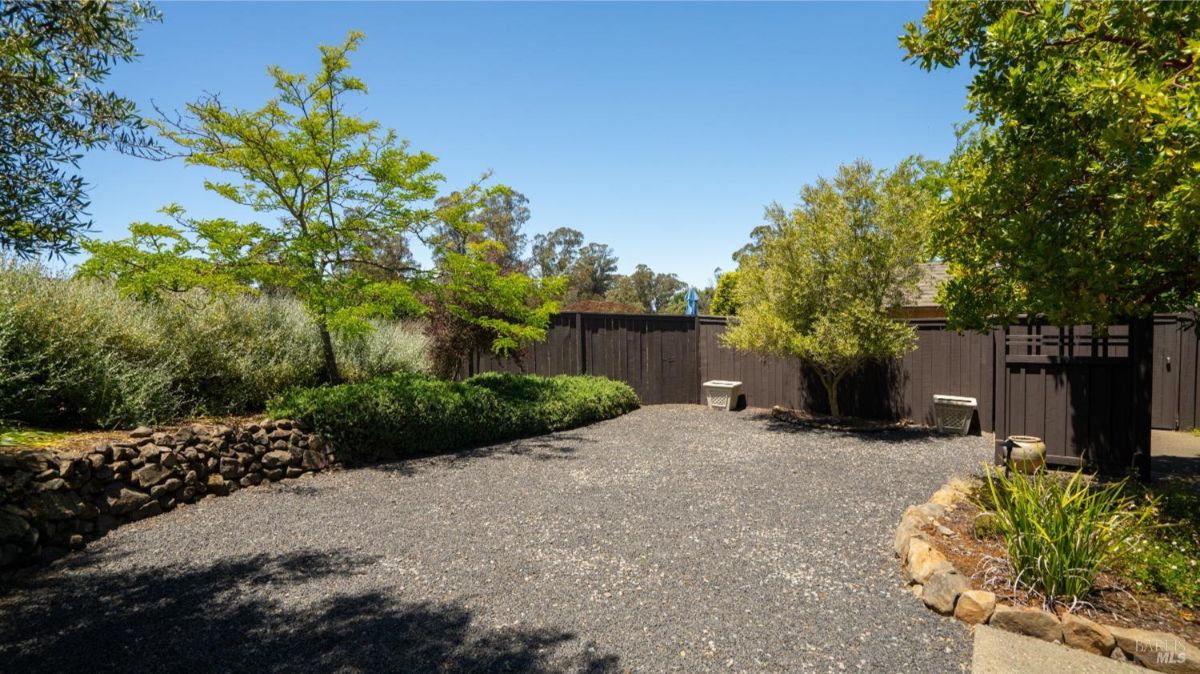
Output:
(823, 286)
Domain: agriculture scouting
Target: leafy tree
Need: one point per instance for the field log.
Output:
(477, 305)
(1073, 194)
(645, 288)
(554, 253)
(822, 287)
(593, 272)
(724, 300)
(53, 58)
(336, 184)
(498, 216)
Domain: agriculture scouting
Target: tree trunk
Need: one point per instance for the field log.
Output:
(331, 368)
(831, 387)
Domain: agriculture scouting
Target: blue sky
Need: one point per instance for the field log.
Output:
(659, 129)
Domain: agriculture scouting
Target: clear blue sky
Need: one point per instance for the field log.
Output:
(659, 129)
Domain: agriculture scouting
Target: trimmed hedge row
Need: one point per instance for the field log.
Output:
(412, 415)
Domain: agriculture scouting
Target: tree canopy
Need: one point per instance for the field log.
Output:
(645, 288)
(54, 57)
(334, 185)
(1073, 193)
(822, 287)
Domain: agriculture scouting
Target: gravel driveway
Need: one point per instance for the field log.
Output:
(672, 539)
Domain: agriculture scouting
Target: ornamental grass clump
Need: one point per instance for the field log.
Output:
(1059, 532)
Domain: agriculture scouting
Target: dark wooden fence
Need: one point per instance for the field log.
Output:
(1092, 399)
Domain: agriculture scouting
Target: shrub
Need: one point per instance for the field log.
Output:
(77, 352)
(1167, 559)
(411, 415)
(1059, 533)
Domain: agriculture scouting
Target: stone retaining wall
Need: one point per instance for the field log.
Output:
(50, 505)
(944, 589)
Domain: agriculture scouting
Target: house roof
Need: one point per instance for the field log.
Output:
(933, 276)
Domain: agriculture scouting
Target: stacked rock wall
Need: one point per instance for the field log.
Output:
(52, 504)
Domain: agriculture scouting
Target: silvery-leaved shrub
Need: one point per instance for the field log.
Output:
(78, 352)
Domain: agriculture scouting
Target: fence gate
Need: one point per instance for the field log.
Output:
(1086, 395)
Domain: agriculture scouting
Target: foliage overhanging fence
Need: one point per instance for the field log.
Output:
(1079, 391)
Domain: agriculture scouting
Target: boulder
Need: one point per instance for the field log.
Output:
(55, 505)
(904, 532)
(975, 607)
(14, 528)
(149, 475)
(141, 432)
(1081, 633)
(923, 561)
(120, 499)
(946, 497)
(216, 484)
(277, 459)
(163, 439)
(275, 474)
(942, 590)
(1159, 651)
(313, 460)
(149, 453)
(1031, 622)
(230, 468)
(148, 510)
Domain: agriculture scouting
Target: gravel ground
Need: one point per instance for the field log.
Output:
(672, 539)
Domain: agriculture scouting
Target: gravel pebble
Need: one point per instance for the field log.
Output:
(675, 538)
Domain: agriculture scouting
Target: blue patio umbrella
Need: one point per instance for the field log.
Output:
(692, 299)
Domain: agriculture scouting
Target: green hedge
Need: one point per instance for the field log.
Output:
(412, 415)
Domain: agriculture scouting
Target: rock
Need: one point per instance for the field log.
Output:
(157, 491)
(230, 468)
(97, 459)
(184, 436)
(942, 590)
(1159, 651)
(173, 484)
(149, 453)
(55, 505)
(946, 497)
(168, 459)
(149, 510)
(141, 432)
(904, 533)
(975, 607)
(1081, 633)
(277, 459)
(150, 475)
(217, 485)
(294, 472)
(1028, 621)
(923, 561)
(283, 424)
(121, 499)
(55, 484)
(75, 542)
(313, 460)
(14, 528)
(279, 445)
(191, 477)
(280, 434)
(9, 554)
(164, 439)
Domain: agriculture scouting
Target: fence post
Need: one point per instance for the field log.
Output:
(699, 368)
(1141, 332)
(580, 350)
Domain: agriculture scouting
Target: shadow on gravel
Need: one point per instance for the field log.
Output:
(552, 447)
(228, 618)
